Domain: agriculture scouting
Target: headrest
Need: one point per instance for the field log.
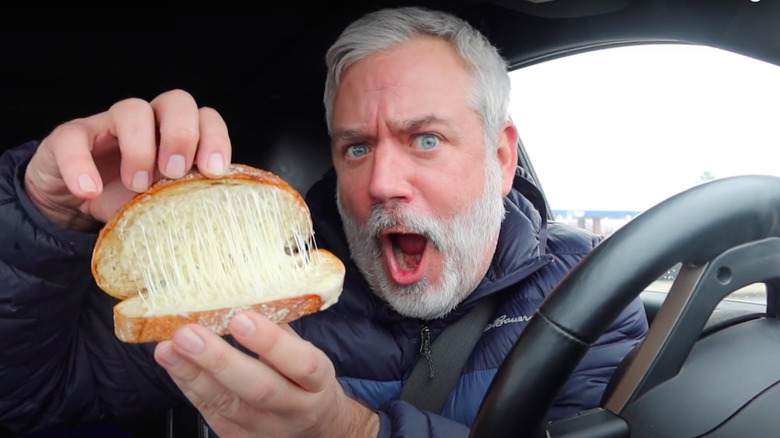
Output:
(296, 150)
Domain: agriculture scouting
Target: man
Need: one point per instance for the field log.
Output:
(430, 214)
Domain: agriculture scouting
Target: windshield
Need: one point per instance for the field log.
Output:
(611, 133)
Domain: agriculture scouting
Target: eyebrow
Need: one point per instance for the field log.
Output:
(348, 134)
(409, 125)
(417, 124)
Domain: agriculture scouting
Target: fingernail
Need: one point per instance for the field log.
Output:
(175, 166)
(86, 184)
(140, 181)
(187, 340)
(216, 164)
(242, 325)
(169, 356)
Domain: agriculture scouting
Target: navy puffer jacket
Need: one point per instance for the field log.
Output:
(60, 361)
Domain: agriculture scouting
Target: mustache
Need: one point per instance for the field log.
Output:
(382, 218)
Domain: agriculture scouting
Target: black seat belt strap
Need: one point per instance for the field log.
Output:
(449, 353)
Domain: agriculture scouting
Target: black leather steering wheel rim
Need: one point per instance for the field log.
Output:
(692, 227)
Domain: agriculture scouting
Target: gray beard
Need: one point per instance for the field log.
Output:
(465, 241)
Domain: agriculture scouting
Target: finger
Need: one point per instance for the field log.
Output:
(222, 409)
(70, 145)
(204, 391)
(177, 365)
(214, 150)
(248, 378)
(177, 114)
(132, 123)
(113, 197)
(284, 350)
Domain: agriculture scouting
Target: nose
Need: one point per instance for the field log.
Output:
(390, 173)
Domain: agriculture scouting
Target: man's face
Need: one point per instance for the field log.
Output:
(420, 197)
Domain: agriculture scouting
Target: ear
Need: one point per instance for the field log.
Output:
(507, 156)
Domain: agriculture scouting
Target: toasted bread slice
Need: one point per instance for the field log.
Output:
(199, 250)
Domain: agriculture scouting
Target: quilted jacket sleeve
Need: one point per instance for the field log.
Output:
(59, 359)
(400, 419)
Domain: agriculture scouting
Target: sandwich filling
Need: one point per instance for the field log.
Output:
(222, 244)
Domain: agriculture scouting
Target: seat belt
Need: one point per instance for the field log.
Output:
(429, 391)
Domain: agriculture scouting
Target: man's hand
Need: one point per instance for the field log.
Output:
(290, 390)
(88, 168)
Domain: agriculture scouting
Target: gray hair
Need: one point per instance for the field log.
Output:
(384, 29)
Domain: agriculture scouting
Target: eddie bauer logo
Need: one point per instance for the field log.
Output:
(502, 320)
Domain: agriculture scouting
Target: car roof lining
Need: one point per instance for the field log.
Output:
(562, 8)
(258, 65)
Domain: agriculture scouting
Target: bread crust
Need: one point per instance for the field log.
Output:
(137, 329)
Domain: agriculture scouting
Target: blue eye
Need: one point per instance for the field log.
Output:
(427, 141)
(356, 150)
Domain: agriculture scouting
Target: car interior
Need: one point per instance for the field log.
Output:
(708, 367)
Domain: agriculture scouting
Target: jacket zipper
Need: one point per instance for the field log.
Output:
(425, 331)
(425, 348)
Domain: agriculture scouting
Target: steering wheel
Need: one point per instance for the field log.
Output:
(708, 228)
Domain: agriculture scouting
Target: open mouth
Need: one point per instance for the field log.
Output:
(405, 256)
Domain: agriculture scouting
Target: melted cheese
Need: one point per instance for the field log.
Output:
(223, 245)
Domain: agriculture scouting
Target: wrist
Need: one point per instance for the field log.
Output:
(366, 423)
(362, 422)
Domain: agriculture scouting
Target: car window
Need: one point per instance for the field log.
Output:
(612, 132)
